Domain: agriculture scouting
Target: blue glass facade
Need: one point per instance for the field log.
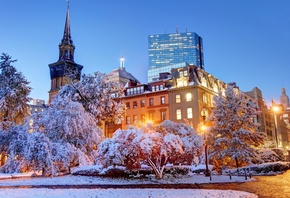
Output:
(167, 50)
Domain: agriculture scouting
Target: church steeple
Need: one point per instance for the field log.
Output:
(66, 47)
(65, 69)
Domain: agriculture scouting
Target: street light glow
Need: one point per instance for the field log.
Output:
(276, 108)
(203, 128)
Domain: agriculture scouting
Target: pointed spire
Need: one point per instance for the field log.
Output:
(66, 47)
(66, 35)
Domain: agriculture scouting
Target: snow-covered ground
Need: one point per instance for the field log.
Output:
(25, 181)
(121, 193)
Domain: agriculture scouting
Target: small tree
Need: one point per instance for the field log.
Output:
(154, 145)
(232, 137)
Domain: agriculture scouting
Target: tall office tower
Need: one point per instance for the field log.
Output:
(65, 65)
(167, 51)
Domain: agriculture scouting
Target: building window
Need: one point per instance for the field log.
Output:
(189, 112)
(163, 115)
(127, 105)
(178, 114)
(181, 82)
(135, 118)
(157, 88)
(134, 104)
(161, 87)
(127, 119)
(188, 97)
(151, 102)
(142, 103)
(151, 116)
(162, 100)
(204, 98)
(142, 118)
(153, 88)
(177, 98)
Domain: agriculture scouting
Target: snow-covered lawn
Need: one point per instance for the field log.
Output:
(121, 193)
(25, 181)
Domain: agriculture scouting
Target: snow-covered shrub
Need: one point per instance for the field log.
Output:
(154, 145)
(120, 150)
(268, 155)
(192, 143)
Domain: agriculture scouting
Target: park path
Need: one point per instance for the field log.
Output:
(264, 186)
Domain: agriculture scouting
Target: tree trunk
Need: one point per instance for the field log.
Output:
(3, 159)
(237, 162)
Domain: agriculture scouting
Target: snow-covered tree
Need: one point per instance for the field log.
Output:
(232, 138)
(67, 123)
(98, 96)
(154, 145)
(26, 151)
(14, 91)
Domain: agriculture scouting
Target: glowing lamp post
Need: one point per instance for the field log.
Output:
(276, 110)
(204, 129)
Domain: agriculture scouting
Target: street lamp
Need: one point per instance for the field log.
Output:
(275, 110)
(204, 129)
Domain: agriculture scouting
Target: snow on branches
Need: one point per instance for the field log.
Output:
(67, 122)
(14, 91)
(97, 96)
(153, 145)
(232, 137)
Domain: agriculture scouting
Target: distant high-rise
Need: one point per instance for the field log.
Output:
(284, 99)
(65, 65)
(167, 51)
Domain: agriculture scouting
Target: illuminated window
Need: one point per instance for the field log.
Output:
(134, 104)
(178, 114)
(151, 102)
(135, 118)
(163, 115)
(142, 103)
(188, 97)
(142, 118)
(127, 105)
(151, 116)
(181, 83)
(204, 98)
(127, 119)
(189, 112)
(162, 100)
(177, 98)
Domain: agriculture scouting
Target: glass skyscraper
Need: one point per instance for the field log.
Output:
(168, 51)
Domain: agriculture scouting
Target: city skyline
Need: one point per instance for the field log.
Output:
(246, 42)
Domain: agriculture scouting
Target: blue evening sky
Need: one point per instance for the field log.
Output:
(246, 41)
